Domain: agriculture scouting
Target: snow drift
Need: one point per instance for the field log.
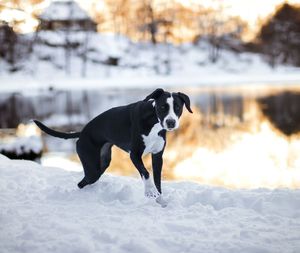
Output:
(43, 211)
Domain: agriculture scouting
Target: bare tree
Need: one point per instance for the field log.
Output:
(218, 29)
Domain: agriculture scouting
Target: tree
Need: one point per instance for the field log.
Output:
(13, 46)
(8, 40)
(218, 30)
(21, 11)
(279, 37)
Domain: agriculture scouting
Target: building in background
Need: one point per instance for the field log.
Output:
(66, 25)
(66, 15)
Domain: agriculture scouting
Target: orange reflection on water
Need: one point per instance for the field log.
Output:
(252, 160)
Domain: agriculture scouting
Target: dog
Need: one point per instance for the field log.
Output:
(138, 128)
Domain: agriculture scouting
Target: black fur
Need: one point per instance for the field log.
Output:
(56, 133)
(124, 127)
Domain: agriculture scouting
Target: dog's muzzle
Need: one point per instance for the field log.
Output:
(170, 124)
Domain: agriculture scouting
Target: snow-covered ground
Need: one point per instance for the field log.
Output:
(23, 145)
(140, 65)
(42, 210)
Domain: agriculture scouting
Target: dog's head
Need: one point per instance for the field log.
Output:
(168, 107)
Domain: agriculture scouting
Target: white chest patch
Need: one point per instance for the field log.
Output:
(153, 142)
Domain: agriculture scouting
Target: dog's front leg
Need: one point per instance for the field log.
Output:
(138, 163)
(150, 190)
(157, 162)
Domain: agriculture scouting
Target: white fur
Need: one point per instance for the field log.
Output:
(153, 142)
(150, 189)
(171, 114)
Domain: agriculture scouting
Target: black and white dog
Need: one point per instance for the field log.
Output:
(138, 128)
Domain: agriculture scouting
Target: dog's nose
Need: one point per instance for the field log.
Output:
(170, 123)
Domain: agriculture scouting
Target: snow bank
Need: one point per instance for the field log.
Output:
(43, 211)
(23, 145)
(139, 65)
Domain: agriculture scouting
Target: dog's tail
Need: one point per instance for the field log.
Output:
(56, 133)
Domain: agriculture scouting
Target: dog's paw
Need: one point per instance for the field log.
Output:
(161, 201)
(151, 192)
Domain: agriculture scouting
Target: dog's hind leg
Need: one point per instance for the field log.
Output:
(105, 156)
(90, 158)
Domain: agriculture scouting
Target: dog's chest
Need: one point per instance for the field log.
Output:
(153, 142)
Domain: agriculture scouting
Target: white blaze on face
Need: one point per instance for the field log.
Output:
(171, 115)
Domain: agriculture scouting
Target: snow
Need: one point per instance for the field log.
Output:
(59, 120)
(140, 65)
(23, 145)
(43, 211)
(64, 10)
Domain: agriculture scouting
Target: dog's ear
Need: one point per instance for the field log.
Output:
(186, 101)
(155, 94)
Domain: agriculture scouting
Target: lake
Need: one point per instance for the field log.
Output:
(238, 137)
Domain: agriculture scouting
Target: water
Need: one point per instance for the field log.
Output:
(237, 137)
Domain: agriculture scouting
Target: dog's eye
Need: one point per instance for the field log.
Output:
(163, 107)
(176, 107)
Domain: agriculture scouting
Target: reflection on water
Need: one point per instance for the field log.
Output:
(260, 158)
(283, 110)
(243, 138)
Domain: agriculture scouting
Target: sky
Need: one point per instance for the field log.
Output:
(248, 10)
